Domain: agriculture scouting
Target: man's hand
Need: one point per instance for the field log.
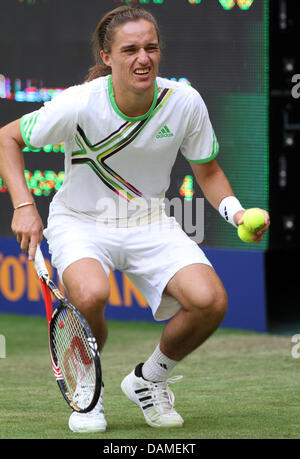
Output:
(27, 225)
(257, 237)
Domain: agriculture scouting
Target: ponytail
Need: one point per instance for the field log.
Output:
(97, 71)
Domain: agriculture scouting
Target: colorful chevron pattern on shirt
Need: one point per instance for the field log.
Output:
(110, 146)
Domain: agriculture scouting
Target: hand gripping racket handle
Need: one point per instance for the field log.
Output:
(39, 263)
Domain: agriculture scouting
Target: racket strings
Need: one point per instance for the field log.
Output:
(74, 357)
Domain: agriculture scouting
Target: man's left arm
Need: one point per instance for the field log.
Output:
(216, 187)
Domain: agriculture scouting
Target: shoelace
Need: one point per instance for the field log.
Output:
(162, 396)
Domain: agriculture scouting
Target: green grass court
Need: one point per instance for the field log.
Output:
(238, 385)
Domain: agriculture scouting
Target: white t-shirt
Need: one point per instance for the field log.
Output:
(118, 168)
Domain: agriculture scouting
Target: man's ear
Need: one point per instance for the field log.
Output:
(105, 58)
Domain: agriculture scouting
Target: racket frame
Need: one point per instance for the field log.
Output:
(49, 287)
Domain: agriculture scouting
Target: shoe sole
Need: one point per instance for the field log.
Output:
(126, 389)
(86, 429)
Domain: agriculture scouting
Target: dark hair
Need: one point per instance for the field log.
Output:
(104, 34)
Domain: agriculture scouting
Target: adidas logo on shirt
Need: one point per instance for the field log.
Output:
(164, 132)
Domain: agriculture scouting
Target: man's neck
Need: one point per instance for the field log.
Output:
(133, 104)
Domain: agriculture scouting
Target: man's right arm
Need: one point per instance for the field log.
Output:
(26, 223)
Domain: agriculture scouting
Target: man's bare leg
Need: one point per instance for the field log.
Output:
(203, 299)
(203, 305)
(88, 289)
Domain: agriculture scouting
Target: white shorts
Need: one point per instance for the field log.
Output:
(149, 255)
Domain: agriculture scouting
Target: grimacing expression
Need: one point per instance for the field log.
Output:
(135, 55)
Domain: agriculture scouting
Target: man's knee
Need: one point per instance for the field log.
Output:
(90, 298)
(219, 304)
(211, 302)
(93, 298)
(87, 285)
(199, 290)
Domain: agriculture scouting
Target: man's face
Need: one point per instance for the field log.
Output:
(134, 56)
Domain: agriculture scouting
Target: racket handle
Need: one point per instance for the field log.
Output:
(39, 263)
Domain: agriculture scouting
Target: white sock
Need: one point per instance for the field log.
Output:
(158, 367)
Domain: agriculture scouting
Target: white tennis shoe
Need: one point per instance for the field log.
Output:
(93, 421)
(155, 399)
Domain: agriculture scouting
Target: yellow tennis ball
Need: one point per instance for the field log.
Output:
(253, 219)
(244, 234)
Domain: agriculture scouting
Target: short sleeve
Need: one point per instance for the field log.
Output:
(200, 144)
(54, 122)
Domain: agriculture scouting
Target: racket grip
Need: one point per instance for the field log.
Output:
(39, 263)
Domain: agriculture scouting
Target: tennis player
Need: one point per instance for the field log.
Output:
(109, 213)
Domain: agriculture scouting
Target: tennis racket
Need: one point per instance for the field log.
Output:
(73, 349)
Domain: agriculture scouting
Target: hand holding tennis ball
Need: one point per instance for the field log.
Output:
(251, 222)
(254, 219)
(244, 234)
